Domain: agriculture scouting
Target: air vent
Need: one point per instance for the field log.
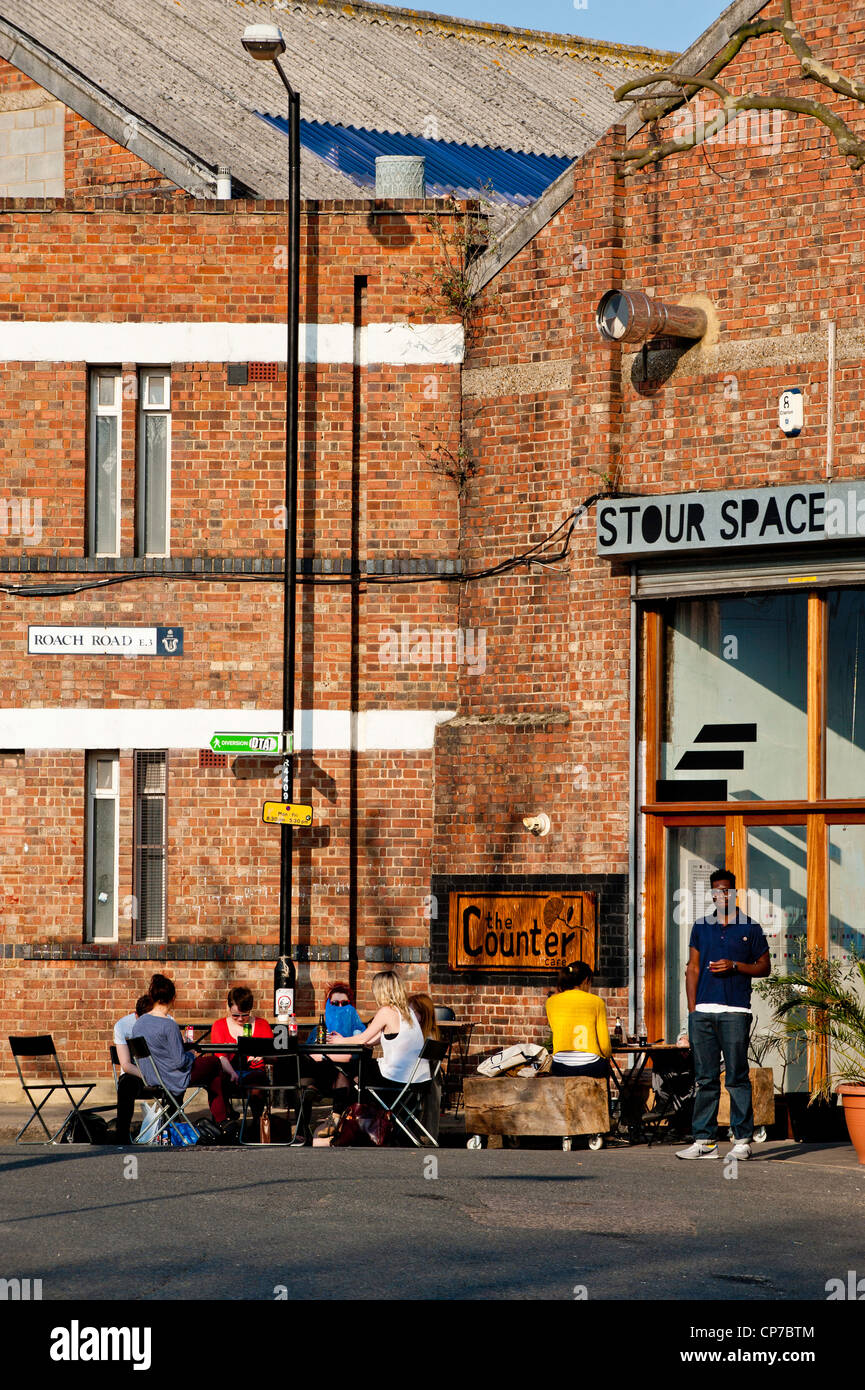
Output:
(208, 759)
(263, 371)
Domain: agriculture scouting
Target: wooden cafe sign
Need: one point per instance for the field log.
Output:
(521, 931)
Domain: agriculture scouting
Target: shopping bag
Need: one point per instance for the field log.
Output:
(150, 1124)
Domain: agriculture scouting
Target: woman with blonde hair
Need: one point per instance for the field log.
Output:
(396, 1027)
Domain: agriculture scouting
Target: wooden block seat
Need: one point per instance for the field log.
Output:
(559, 1106)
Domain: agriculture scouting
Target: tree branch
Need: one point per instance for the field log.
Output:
(849, 144)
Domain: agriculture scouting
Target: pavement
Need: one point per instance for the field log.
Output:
(273, 1223)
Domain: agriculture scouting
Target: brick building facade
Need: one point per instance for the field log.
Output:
(420, 769)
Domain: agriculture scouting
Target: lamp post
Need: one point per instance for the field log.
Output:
(265, 43)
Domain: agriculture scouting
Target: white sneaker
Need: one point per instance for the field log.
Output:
(741, 1149)
(701, 1148)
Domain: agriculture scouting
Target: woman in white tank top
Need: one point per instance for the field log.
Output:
(396, 1027)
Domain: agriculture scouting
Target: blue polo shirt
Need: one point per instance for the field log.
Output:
(739, 939)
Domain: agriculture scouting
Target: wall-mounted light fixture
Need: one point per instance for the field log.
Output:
(629, 316)
(538, 824)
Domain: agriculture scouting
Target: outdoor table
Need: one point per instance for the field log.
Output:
(200, 1030)
(304, 1049)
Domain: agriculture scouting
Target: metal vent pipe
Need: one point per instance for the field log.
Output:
(630, 316)
(400, 176)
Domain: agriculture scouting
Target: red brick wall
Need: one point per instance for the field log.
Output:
(97, 164)
(378, 498)
(773, 242)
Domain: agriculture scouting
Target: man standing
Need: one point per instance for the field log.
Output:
(728, 950)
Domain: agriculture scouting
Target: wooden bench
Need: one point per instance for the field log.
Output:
(559, 1106)
(763, 1092)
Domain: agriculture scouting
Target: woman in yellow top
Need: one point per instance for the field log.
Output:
(581, 1038)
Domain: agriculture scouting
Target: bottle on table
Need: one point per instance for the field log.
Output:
(292, 1025)
(321, 1030)
(618, 1036)
(283, 988)
(189, 1033)
(247, 1029)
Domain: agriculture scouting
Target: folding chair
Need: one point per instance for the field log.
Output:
(42, 1046)
(173, 1109)
(144, 1093)
(403, 1107)
(289, 1078)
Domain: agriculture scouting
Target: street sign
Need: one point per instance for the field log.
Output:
(246, 743)
(286, 813)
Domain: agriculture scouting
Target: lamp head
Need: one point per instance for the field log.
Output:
(263, 41)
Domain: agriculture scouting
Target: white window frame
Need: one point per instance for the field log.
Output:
(145, 408)
(94, 794)
(98, 374)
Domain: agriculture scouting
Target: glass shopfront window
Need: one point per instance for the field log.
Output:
(845, 694)
(734, 699)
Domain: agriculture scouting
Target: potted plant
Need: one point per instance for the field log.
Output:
(822, 1001)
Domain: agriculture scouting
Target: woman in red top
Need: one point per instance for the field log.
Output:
(227, 1030)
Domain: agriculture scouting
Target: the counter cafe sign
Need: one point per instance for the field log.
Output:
(695, 521)
(521, 931)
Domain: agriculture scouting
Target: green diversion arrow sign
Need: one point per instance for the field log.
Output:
(246, 743)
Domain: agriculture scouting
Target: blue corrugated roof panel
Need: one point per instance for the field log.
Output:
(466, 171)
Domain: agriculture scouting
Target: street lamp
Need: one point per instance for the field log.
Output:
(265, 43)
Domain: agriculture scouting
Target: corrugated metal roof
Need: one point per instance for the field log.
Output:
(467, 171)
(179, 65)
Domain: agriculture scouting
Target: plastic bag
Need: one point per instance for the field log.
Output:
(150, 1124)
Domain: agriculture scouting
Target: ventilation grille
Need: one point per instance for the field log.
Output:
(263, 371)
(208, 759)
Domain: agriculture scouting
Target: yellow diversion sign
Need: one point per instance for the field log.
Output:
(286, 813)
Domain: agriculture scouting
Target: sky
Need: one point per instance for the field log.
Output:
(668, 24)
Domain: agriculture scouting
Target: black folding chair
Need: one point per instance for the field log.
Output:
(173, 1107)
(144, 1091)
(286, 1077)
(405, 1105)
(41, 1047)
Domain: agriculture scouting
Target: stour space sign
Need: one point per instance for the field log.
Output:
(703, 521)
(521, 931)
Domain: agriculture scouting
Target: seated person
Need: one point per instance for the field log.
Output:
(424, 1007)
(178, 1066)
(581, 1036)
(241, 1003)
(130, 1083)
(396, 1027)
(331, 1075)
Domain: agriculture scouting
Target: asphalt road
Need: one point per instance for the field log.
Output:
(267, 1224)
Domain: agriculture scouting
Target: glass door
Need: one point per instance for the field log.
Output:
(694, 852)
(776, 896)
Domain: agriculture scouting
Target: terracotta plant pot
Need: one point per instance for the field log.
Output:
(853, 1100)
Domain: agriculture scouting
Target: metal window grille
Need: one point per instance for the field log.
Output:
(263, 371)
(151, 778)
(154, 461)
(208, 759)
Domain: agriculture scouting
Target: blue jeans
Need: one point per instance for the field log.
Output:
(711, 1035)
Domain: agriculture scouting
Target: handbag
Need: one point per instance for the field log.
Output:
(264, 1127)
(363, 1126)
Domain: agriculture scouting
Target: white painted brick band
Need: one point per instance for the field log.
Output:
(315, 730)
(386, 344)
